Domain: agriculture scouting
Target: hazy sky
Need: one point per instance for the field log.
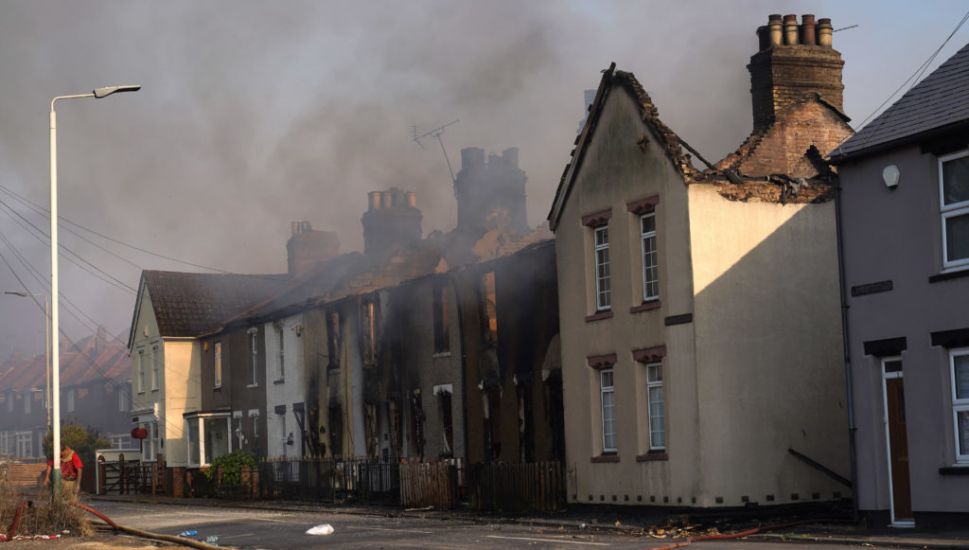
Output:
(254, 114)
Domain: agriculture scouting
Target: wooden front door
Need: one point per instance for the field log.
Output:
(898, 448)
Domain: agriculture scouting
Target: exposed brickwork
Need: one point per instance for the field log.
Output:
(784, 74)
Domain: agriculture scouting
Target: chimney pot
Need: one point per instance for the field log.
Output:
(825, 33)
(790, 30)
(763, 37)
(374, 200)
(412, 199)
(472, 157)
(386, 199)
(775, 29)
(808, 35)
(511, 156)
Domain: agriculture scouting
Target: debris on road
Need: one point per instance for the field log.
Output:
(212, 539)
(321, 529)
(189, 533)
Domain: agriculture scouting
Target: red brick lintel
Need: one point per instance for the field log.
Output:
(649, 355)
(653, 455)
(643, 206)
(600, 362)
(597, 219)
(605, 457)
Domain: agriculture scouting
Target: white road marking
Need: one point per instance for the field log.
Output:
(237, 536)
(351, 527)
(559, 541)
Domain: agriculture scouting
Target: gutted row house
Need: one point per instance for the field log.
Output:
(95, 393)
(386, 355)
(699, 313)
(905, 231)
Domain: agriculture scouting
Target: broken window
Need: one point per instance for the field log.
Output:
(489, 309)
(443, 393)
(369, 332)
(656, 407)
(954, 182)
(335, 420)
(647, 225)
(607, 394)
(333, 339)
(442, 338)
(602, 275)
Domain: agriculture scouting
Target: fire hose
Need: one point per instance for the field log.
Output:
(737, 535)
(147, 534)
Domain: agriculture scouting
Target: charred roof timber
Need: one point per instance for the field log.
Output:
(794, 61)
(392, 221)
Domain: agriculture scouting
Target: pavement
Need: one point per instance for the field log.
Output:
(571, 528)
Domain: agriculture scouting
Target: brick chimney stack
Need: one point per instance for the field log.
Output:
(794, 61)
(391, 221)
(308, 247)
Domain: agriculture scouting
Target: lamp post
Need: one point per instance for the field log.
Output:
(46, 347)
(97, 93)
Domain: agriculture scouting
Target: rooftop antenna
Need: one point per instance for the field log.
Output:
(436, 132)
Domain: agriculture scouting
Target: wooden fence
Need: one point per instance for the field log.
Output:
(517, 488)
(429, 484)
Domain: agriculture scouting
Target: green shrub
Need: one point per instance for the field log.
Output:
(231, 467)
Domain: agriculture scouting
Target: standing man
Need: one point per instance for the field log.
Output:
(71, 469)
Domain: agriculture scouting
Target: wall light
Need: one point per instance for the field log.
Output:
(890, 175)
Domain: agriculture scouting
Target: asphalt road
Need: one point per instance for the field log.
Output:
(244, 528)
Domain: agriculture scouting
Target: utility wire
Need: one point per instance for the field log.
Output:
(104, 275)
(46, 213)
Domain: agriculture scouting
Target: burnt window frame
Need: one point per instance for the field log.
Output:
(334, 339)
(441, 303)
(489, 337)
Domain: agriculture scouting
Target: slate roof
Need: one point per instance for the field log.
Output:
(938, 101)
(93, 358)
(190, 304)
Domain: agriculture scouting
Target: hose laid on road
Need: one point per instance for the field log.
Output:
(147, 534)
(737, 535)
(15, 524)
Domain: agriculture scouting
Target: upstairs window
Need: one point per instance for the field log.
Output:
(141, 371)
(489, 309)
(656, 407)
(253, 356)
(954, 187)
(369, 332)
(122, 399)
(280, 329)
(602, 274)
(27, 401)
(155, 367)
(334, 339)
(217, 364)
(647, 226)
(442, 337)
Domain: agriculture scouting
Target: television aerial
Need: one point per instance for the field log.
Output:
(436, 132)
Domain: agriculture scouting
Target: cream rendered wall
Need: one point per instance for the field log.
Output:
(768, 349)
(183, 381)
(616, 171)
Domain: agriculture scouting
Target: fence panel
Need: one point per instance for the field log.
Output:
(429, 484)
(330, 480)
(517, 488)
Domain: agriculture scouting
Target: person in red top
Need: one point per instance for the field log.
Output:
(71, 469)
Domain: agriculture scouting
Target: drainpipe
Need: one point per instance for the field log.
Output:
(846, 342)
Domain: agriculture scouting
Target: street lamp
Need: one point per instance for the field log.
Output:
(97, 93)
(46, 346)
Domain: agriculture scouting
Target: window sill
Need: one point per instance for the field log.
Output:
(653, 455)
(154, 390)
(441, 354)
(598, 316)
(605, 458)
(951, 273)
(957, 470)
(645, 306)
(252, 385)
(278, 382)
(217, 388)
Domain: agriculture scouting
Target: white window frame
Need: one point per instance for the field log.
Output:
(644, 237)
(155, 350)
(217, 365)
(141, 371)
(122, 399)
(201, 418)
(280, 330)
(651, 422)
(253, 334)
(23, 444)
(28, 399)
(958, 405)
(611, 391)
(603, 297)
(886, 376)
(254, 422)
(953, 210)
